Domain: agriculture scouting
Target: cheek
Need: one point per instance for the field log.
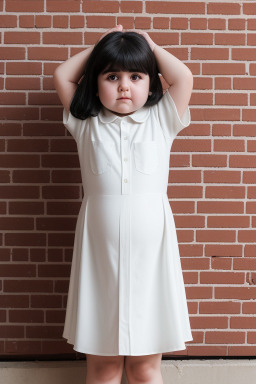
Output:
(104, 91)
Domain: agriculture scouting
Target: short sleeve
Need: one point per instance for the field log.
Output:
(73, 125)
(169, 118)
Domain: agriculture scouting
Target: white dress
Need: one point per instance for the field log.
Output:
(126, 292)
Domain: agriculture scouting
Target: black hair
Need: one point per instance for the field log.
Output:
(125, 51)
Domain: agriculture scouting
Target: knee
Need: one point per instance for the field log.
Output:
(107, 371)
(142, 372)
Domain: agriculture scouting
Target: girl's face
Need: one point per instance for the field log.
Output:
(123, 92)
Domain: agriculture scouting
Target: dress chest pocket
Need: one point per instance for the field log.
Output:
(146, 156)
(100, 156)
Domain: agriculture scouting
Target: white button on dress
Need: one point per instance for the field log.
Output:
(126, 293)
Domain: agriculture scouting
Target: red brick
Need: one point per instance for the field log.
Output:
(225, 337)
(198, 23)
(223, 68)
(19, 161)
(248, 115)
(46, 301)
(12, 98)
(209, 160)
(251, 24)
(178, 192)
(212, 236)
(63, 208)
(26, 316)
(185, 176)
(43, 129)
(22, 83)
(55, 316)
(11, 331)
(12, 53)
(228, 192)
(61, 239)
(202, 83)
(244, 130)
(231, 99)
(60, 161)
(220, 206)
(58, 192)
(28, 145)
(8, 21)
(17, 270)
(246, 236)
(243, 161)
(179, 23)
(26, 68)
(216, 114)
(20, 254)
(60, 21)
(14, 301)
(63, 145)
(242, 322)
(228, 222)
(62, 38)
(30, 176)
(249, 307)
(54, 270)
(142, 23)
(54, 224)
(25, 239)
(126, 21)
(23, 347)
(43, 21)
(19, 192)
(131, 6)
(245, 263)
(47, 53)
(209, 53)
(89, 6)
(15, 223)
(230, 39)
(28, 285)
(223, 8)
(240, 293)
(216, 24)
(175, 7)
(22, 38)
(249, 9)
(243, 54)
(77, 21)
(222, 177)
(237, 24)
(27, 21)
(195, 38)
(24, 6)
(100, 21)
(249, 177)
(161, 22)
(26, 208)
(229, 145)
(65, 6)
(216, 307)
(222, 83)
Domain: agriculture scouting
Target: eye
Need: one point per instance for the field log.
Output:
(135, 77)
(112, 77)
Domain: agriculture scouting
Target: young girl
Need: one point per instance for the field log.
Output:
(126, 302)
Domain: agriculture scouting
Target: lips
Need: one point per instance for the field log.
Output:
(124, 98)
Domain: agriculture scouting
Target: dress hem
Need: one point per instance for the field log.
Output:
(171, 349)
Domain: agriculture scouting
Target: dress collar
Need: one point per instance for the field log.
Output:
(138, 116)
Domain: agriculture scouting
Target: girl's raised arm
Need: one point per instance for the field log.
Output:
(175, 73)
(67, 75)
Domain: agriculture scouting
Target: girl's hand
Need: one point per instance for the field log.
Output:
(118, 28)
(146, 36)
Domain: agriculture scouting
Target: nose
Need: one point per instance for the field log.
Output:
(123, 85)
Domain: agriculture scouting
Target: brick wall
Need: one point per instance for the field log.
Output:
(212, 186)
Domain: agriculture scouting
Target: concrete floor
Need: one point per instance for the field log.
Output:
(219, 371)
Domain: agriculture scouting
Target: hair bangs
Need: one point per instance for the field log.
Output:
(125, 58)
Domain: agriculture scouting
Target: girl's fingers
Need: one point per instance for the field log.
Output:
(146, 36)
(115, 29)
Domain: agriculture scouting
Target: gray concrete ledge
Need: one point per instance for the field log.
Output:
(219, 371)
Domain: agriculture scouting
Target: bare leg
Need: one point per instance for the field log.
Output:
(104, 369)
(144, 369)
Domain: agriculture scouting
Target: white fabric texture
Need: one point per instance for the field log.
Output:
(126, 292)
